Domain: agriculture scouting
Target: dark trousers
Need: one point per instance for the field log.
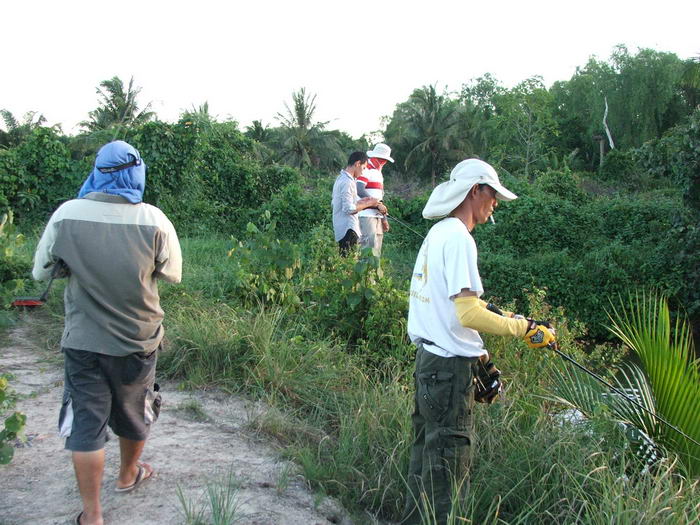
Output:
(442, 431)
(348, 242)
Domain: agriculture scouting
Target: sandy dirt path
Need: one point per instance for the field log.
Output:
(200, 439)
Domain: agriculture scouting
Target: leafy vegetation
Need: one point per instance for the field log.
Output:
(14, 424)
(344, 417)
(13, 266)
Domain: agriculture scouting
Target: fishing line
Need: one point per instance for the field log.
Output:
(404, 225)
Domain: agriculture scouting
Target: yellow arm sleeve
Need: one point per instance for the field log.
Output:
(506, 313)
(473, 314)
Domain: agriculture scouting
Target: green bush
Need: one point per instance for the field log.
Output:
(562, 184)
(13, 425)
(37, 175)
(298, 210)
(14, 268)
(619, 166)
(675, 159)
(206, 178)
(266, 265)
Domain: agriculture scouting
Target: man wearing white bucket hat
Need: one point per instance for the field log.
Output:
(370, 183)
(445, 317)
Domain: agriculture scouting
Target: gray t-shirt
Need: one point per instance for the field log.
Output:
(115, 251)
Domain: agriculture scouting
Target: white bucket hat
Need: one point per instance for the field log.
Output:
(448, 195)
(381, 151)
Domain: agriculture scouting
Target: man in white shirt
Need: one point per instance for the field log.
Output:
(445, 317)
(370, 183)
(346, 204)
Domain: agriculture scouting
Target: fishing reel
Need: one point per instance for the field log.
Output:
(487, 382)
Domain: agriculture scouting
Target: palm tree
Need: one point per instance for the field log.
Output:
(305, 143)
(18, 131)
(258, 131)
(667, 354)
(199, 117)
(430, 125)
(117, 107)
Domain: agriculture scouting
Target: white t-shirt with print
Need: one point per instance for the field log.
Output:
(446, 263)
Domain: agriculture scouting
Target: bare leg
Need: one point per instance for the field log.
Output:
(89, 467)
(129, 468)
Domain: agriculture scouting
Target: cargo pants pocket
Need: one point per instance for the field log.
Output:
(434, 393)
(152, 402)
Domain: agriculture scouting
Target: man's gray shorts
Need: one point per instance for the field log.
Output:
(103, 390)
(372, 234)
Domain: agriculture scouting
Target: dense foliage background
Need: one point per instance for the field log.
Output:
(587, 227)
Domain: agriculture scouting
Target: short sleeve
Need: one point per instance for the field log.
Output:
(169, 259)
(461, 270)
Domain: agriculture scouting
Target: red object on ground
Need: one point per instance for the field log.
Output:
(59, 269)
(27, 302)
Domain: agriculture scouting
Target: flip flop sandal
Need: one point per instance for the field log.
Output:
(142, 476)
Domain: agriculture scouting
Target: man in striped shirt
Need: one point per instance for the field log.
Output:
(370, 183)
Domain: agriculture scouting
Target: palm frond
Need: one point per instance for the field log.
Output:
(577, 390)
(666, 353)
(9, 119)
(633, 382)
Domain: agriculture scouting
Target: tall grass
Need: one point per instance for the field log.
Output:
(348, 426)
(528, 468)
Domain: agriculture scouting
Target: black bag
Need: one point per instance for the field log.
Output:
(488, 383)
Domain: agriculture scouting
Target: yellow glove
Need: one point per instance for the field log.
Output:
(539, 334)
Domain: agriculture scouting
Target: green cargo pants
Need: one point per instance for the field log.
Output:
(442, 430)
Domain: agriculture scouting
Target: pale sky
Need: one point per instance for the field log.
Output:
(360, 57)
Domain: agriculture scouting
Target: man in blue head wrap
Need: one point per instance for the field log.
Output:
(115, 247)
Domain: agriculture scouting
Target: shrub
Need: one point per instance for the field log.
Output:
(267, 266)
(37, 175)
(675, 159)
(563, 184)
(13, 268)
(619, 166)
(298, 210)
(13, 426)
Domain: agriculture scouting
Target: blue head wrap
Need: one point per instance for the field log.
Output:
(118, 170)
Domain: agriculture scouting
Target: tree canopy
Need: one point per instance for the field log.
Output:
(117, 107)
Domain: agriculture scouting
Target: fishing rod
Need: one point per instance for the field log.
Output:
(555, 347)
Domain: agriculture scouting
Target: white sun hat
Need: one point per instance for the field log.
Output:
(381, 151)
(448, 195)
